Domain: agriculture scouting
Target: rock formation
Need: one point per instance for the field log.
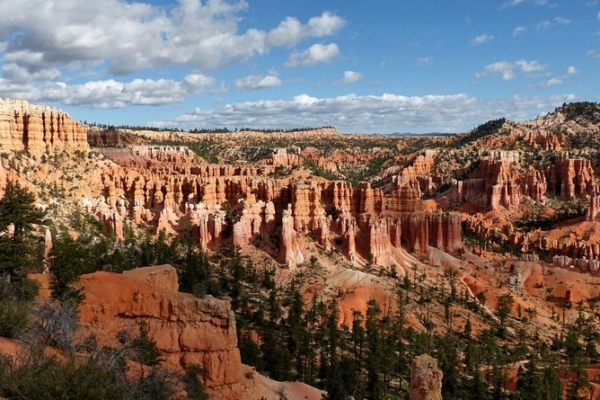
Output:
(425, 379)
(187, 330)
(37, 129)
(593, 209)
(571, 178)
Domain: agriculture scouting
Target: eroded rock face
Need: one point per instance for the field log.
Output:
(187, 330)
(571, 178)
(425, 379)
(37, 129)
(251, 206)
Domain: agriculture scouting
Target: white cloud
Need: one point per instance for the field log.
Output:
(350, 77)
(197, 83)
(558, 80)
(503, 68)
(325, 25)
(130, 36)
(254, 82)
(18, 74)
(529, 67)
(598, 16)
(315, 54)
(110, 93)
(562, 20)
(481, 39)
(507, 69)
(519, 30)
(555, 81)
(385, 113)
(290, 31)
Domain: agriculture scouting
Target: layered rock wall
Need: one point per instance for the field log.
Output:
(252, 206)
(187, 330)
(37, 129)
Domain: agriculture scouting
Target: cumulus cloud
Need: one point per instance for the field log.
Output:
(350, 77)
(129, 36)
(571, 70)
(110, 93)
(529, 67)
(502, 68)
(507, 69)
(19, 74)
(356, 113)
(254, 82)
(315, 54)
(481, 39)
(519, 30)
(558, 80)
(290, 31)
(554, 81)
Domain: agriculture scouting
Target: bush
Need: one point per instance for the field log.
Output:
(14, 318)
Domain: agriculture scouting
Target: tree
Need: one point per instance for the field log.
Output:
(529, 385)
(18, 215)
(145, 350)
(503, 309)
(68, 260)
(374, 356)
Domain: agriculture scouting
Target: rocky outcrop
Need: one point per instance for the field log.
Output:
(570, 177)
(283, 158)
(593, 210)
(37, 129)
(251, 206)
(425, 379)
(289, 253)
(533, 184)
(187, 330)
(491, 185)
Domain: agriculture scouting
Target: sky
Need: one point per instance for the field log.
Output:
(385, 66)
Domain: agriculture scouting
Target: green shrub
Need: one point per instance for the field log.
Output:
(14, 318)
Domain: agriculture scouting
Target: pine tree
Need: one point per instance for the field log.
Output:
(68, 260)
(144, 347)
(374, 356)
(18, 215)
(529, 385)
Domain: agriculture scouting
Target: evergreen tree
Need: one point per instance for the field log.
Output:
(552, 385)
(530, 386)
(18, 215)
(145, 350)
(374, 356)
(68, 260)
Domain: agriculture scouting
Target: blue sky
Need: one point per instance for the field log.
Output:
(384, 66)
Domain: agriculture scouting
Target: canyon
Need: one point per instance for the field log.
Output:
(507, 206)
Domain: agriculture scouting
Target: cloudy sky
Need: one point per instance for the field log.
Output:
(384, 66)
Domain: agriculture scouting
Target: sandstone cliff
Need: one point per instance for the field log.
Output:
(187, 330)
(38, 129)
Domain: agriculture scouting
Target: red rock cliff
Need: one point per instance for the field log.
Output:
(187, 330)
(37, 129)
